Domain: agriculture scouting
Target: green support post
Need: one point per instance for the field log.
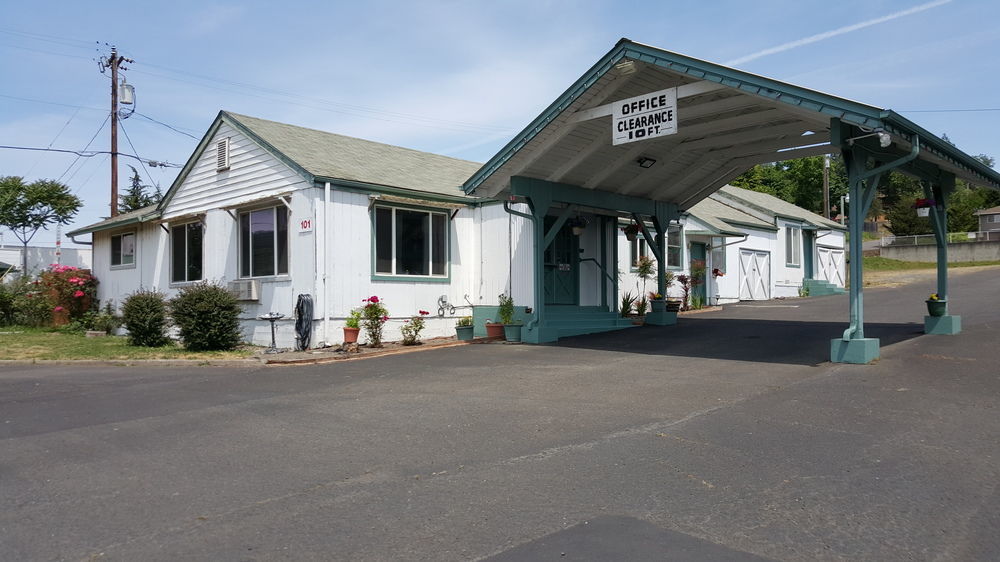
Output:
(940, 192)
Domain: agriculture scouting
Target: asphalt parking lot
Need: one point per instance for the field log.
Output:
(728, 436)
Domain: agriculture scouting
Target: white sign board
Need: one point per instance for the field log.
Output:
(305, 225)
(644, 117)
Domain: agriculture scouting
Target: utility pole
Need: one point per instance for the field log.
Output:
(826, 186)
(114, 62)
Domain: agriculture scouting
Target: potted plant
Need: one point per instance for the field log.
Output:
(352, 326)
(656, 302)
(511, 331)
(936, 306)
(631, 231)
(577, 223)
(463, 328)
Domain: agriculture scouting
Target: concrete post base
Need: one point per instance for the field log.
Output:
(946, 325)
(860, 351)
(664, 318)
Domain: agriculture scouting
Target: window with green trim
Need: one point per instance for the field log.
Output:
(639, 248)
(411, 242)
(793, 246)
(123, 250)
(264, 242)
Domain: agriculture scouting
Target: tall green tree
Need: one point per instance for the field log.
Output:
(26, 208)
(137, 195)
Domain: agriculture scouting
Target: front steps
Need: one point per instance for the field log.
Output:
(566, 321)
(819, 288)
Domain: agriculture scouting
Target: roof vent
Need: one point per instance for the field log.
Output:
(222, 155)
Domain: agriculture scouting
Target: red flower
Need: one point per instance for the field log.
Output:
(385, 318)
(424, 313)
(78, 294)
(373, 299)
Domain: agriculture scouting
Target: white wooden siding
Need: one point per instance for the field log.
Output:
(253, 174)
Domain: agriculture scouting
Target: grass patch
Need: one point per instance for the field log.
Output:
(39, 343)
(876, 263)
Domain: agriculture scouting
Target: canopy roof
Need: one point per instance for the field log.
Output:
(727, 121)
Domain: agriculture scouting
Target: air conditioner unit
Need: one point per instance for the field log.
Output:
(245, 289)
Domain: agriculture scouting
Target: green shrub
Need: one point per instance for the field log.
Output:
(506, 309)
(32, 306)
(144, 315)
(207, 316)
(7, 308)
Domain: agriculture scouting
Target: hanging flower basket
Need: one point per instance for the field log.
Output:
(923, 207)
(577, 223)
(631, 232)
(923, 211)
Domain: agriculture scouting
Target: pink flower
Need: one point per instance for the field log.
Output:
(78, 294)
(385, 318)
(424, 313)
(58, 309)
(373, 299)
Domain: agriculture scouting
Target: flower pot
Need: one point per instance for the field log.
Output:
(577, 230)
(512, 332)
(494, 331)
(658, 305)
(924, 212)
(937, 308)
(463, 333)
(351, 335)
(673, 305)
(631, 236)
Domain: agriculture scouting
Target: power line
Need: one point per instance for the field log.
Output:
(54, 139)
(92, 153)
(141, 162)
(165, 125)
(77, 159)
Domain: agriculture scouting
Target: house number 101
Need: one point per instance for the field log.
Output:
(305, 225)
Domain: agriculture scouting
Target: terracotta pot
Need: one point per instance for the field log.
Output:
(351, 335)
(494, 331)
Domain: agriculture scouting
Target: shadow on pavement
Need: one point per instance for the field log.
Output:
(766, 341)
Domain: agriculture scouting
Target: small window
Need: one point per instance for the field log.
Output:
(264, 242)
(411, 242)
(185, 252)
(994, 218)
(793, 246)
(719, 255)
(123, 250)
(222, 155)
(639, 248)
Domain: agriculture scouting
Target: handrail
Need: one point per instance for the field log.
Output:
(599, 265)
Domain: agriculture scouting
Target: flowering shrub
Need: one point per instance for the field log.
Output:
(374, 315)
(411, 329)
(69, 288)
(934, 297)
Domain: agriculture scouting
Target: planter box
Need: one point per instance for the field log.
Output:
(494, 331)
(463, 333)
(512, 332)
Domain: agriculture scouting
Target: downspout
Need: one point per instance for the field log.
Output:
(534, 242)
(857, 300)
(326, 265)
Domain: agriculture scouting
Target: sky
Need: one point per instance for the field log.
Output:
(451, 77)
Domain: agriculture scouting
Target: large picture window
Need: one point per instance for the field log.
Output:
(123, 249)
(410, 242)
(185, 252)
(793, 246)
(264, 242)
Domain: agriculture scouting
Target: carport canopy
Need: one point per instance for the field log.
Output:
(725, 122)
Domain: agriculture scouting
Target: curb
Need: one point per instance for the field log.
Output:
(133, 362)
(277, 362)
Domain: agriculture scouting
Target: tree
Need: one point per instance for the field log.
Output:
(136, 197)
(903, 219)
(27, 208)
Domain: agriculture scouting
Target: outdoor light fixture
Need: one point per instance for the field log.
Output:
(644, 162)
(884, 138)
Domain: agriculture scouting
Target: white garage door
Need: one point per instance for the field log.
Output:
(755, 275)
(831, 265)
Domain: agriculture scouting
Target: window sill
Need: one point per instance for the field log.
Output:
(410, 278)
(124, 266)
(181, 284)
(268, 278)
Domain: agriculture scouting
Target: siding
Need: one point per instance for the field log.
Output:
(253, 174)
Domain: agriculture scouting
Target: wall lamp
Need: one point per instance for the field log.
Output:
(645, 162)
(884, 139)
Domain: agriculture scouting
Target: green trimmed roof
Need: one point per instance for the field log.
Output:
(132, 217)
(774, 206)
(329, 157)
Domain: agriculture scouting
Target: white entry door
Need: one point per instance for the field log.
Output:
(831, 265)
(755, 275)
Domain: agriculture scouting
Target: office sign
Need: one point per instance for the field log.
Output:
(648, 116)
